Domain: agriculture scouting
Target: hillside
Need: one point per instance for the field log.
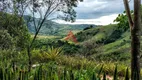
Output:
(110, 42)
(114, 41)
(56, 29)
(101, 43)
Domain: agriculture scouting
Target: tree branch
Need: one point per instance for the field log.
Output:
(127, 8)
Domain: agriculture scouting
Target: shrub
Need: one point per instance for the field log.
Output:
(53, 53)
(6, 41)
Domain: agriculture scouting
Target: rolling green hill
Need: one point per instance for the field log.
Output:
(106, 43)
(53, 28)
(110, 42)
(101, 43)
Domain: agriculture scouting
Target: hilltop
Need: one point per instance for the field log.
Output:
(56, 29)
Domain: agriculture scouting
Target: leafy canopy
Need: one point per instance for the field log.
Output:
(16, 30)
(122, 21)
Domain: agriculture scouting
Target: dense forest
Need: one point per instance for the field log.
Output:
(35, 47)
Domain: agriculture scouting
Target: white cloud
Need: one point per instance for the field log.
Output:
(104, 20)
(90, 9)
(88, 6)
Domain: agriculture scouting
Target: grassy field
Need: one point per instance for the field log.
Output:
(46, 37)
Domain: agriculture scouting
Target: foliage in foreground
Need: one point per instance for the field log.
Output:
(59, 67)
(52, 72)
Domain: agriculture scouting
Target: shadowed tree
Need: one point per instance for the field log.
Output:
(135, 25)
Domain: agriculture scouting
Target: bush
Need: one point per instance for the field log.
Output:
(86, 35)
(6, 41)
(116, 34)
(13, 58)
(68, 48)
(88, 27)
(16, 29)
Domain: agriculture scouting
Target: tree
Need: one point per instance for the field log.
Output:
(122, 21)
(91, 26)
(46, 9)
(11, 19)
(135, 25)
(18, 32)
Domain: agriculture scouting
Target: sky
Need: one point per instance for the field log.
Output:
(99, 12)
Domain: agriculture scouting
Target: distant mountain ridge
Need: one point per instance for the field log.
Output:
(53, 28)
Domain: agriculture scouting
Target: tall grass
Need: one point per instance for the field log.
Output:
(62, 67)
(48, 72)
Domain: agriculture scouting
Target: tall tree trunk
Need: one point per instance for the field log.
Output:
(135, 38)
(135, 43)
